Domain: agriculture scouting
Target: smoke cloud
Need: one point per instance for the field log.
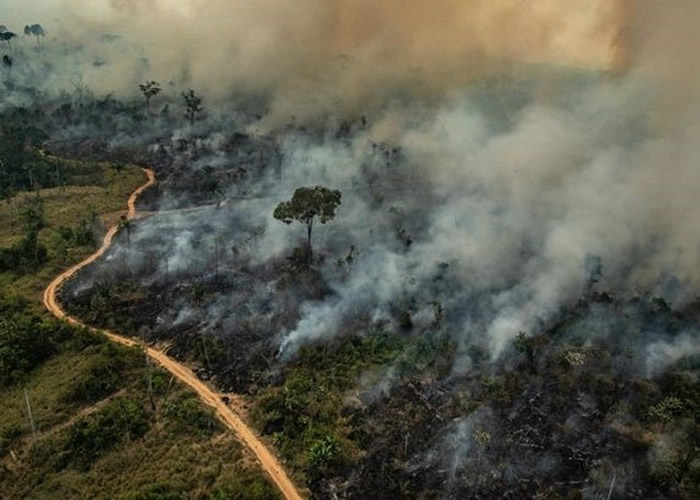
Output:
(528, 137)
(314, 57)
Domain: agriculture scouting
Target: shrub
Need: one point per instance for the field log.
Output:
(123, 419)
(245, 485)
(102, 378)
(26, 340)
(187, 415)
(321, 456)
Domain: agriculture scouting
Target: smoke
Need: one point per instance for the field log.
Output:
(511, 141)
(499, 160)
(311, 58)
(604, 169)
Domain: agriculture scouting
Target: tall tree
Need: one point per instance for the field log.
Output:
(193, 102)
(7, 36)
(150, 90)
(35, 30)
(307, 204)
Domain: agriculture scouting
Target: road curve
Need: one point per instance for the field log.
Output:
(232, 420)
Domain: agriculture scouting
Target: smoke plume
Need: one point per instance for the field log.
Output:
(527, 138)
(313, 57)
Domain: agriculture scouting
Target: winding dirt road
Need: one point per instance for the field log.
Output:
(232, 420)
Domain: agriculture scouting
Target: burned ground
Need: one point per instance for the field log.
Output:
(568, 408)
(557, 417)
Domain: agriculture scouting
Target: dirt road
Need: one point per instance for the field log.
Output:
(233, 421)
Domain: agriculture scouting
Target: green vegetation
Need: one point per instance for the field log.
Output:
(305, 413)
(26, 340)
(97, 432)
(42, 232)
(22, 166)
(28, 253)
(104, 424)
(307, 204)
(185, 414)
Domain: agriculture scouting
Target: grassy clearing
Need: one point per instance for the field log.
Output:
(48, 388)
(125, 449)
(66, 207)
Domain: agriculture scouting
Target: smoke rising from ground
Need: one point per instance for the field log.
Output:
(514, 175)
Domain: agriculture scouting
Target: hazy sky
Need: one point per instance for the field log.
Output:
(577, 30)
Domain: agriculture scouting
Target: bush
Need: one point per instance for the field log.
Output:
(246, 485)
(103, 377)
(187, 415)
(26, 340)
(123, 419)
(159, 491)
(321, 456)
(8, 436)
(26, 255)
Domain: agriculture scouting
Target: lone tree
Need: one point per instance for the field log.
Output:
(150, 90)
(36, 31)
(307, 204)
(194, 105)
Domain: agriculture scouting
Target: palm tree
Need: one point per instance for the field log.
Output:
(150, 90)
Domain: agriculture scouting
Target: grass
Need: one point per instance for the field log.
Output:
(304, 414)
(66, 207)
(48, 388)
(185, 452)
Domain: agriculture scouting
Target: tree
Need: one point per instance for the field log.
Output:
(150, 90)
(125, 224)
(321, 456)
(35, 30)
(194, 105)
(526, 345)
(307, 204)
(7, 36)
(208, 183)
